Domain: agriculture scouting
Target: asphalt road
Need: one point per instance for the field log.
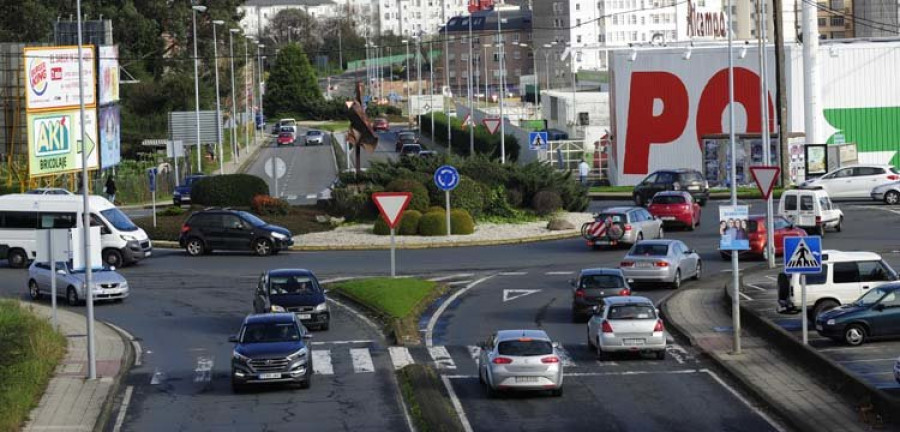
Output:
(308, 170)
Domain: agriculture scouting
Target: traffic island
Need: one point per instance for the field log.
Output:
(427, 400)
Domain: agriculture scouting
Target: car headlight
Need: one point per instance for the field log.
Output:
(123, 285)
(176, 193)
(322, 307)
(830, 322)
(279, 236)
(298, 354)
(276, 308)
(127, 237)
(239, 357)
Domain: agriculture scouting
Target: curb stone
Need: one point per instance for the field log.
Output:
(128, 362)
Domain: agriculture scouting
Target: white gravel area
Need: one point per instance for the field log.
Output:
(361, 235)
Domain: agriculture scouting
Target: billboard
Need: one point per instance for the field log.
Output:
(109, 74)
(110, 147)
(54, 145)
(733, 228)
(51, 77)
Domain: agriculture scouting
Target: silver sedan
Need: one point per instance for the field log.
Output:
(661, 261)
(520, 360)
(108, 284)
(627, 324)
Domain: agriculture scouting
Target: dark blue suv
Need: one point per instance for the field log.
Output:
(271, 348)
(182, 193)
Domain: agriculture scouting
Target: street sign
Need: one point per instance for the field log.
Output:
(492, 124)
(802, 255)
(467, 121)
(391, 205)
(446, 178)
(765, 177)
(537, 140)
(151, 174)
(275, 167)
(427, 108)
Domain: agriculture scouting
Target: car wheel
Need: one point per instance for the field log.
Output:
(305, 383)
(702, 202)
(676, 283)
(324, 327)
(892, 198)
(660, 234)
(489, 390)
(194, 247)
(661, 355)
(235, 387)
(854, 335)
(112, 258)
(72, 296)
(33, 291)
(601, 355)
(262, 247)
(840, 224)
(699, 270)
(638, 201)
(822, 307)
(821, 230)
(640, 236)
(17, 258)
(692, 225)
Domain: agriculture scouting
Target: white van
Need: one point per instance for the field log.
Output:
(810, 209)
(21, 216)
(845, 277)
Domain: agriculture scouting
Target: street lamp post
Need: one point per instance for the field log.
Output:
(218, 105)
(194, 10)
(502, 90)
(259, 56)
(408, 96)
(234, 152)
(248, 97)
(471, 92)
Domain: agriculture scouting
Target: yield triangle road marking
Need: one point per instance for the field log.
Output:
(512, 294)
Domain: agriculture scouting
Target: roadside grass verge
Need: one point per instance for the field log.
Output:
(426, 399)
(300, 220)
(31, 352)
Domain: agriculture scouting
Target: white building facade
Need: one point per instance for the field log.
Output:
(259, 13)
(417, 17)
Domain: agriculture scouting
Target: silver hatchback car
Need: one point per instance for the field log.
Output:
(520, 360)
(627, 324)
(108, 284)
(661, 261)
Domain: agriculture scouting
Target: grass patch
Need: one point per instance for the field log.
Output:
(300, 220)
(393, 298)
(521, 217)
(31, 352)
(332, 126)
(611, 189)
(426, 400)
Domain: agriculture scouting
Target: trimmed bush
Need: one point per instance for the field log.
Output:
(514, 197)
(381, 227)
(434, 209)
(409, 223)
(461, 222)
(546, 202)
(229, 190)
(467, 196)
(353, 204)
(268, 206)
(433, 224)
(496, 203)
(419, 200)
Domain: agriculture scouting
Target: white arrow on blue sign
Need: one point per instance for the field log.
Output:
(446, 178)
(802, 254)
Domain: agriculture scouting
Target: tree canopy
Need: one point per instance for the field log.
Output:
(292, 86)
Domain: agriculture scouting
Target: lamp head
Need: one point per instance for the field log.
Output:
(200, 9)
(218, 22)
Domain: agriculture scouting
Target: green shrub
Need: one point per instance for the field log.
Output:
(433, 224)
(434, 209)
(172, 211)
(229, 190)
(514, 197)
(461, 222)
(409, 223)
(496, 203)
(353, 203)
(546, 202)
(419, 200)
(381, 227)
(467, 196)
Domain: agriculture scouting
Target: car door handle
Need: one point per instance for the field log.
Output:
(865, 287)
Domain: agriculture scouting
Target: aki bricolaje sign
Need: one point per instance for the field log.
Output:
(51, 77)
(54, 142)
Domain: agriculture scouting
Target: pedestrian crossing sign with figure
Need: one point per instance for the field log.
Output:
(802, 255)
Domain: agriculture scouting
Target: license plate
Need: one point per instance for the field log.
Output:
(819, 327)
(668, 218)
(634, 341)
(643, 265)
(526, 379)
(693, 188)
(304, 316)
(269, 376)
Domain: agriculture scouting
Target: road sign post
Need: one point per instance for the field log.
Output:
(151, 173)
(53, 245)
(275, 168)
(802, 256)
(766, 177)
(446, 178)
(391, 206)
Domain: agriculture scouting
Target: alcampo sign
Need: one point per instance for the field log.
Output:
(705, 24)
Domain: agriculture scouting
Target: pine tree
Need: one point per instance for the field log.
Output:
(292, 86)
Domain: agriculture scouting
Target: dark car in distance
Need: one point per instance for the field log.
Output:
(226, 229)
(271, 348)
(688, 180)
(405, 138)
(296, 291)
(182, 193)
(594, 285)
(381, 124)
(875, 315)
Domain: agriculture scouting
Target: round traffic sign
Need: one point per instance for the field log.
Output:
(275, 167)
(446, 178)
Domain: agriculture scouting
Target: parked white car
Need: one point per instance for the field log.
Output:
(844, 278)
(854, 182)
(811, 210)
(889, 193)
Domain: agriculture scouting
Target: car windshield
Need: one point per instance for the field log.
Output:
(614, 217)
(691, 177)
(631, 312)
(252, 219)
(602, 281)
(872, 297)
(71, 269)
(406, 136)
(270, 332)
(525, 347)
(650, 250)
(292, 285)
(313, 133)
(668, 199)
(119, 219)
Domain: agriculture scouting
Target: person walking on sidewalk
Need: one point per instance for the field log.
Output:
(110, 189)
(583, 170)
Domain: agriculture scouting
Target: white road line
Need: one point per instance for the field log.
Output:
(868, 360)
(441, 357)
(461, 282)
(203, 371)
(321, 360)
(453, 276)
(734, 392)
(400, 357)
(559, 273)
(474, 351)
(745, 296)
(457, 406)
(606, 363)
(564, 356)
(138, 353)
(755, 287)
(312, 196)
(126, 399)
(349, 342)
(362, 360)
(158, 377)
(772, 278)
(512, 273)
(429, 330)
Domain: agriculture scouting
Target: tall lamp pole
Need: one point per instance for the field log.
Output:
(471, 92)
(218, 104)
(502, 90)
(194, 10)
(259, 58)
(735, 269)
(234, 153)
(408, 96)
(248, 96)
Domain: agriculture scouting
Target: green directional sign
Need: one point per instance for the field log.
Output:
(54, 145)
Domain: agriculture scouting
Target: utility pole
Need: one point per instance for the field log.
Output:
(502, 90)
(447, 74)
(781, 94)
(234, 151)
(735, 265)
(218, 105)
(762, 25)
(470, 92)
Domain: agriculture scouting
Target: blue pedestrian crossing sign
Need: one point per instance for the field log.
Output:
(802, 254)
(537, 140)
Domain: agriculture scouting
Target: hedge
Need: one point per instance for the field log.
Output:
(419, 200)
(409, 224)
(433, 224)
(461, 222)
(229, 190)
(485, 143)
(546, 202)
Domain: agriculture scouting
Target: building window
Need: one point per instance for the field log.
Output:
(578, 22)
(577, 6)
(837, 21)
(578, 38)
(823, 22)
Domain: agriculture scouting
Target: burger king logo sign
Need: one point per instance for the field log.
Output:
(37, 76)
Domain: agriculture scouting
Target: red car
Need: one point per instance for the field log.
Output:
(756, 231)
(676, 208)
(285, 138)
(381, 124)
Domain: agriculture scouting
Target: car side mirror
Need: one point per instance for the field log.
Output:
(879, 307)
(233, 339)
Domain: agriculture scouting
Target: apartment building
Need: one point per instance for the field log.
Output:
(876, 18)
(259, 13)
(416, 17)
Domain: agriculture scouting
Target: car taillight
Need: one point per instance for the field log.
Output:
(661, 264)
(893, 177)
(185, 228)
(626, 264)
(579, 293)
(551, 359)
(625, 292)
(606, 327)
(818, 220)
(501, 360)
(627, 227)
(659, 326)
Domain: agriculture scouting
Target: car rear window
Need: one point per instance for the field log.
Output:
(790, 202)
(806, 202)
(668, 199)
(631, 312)
(614, 217)
(688, 177)
(650, 250)
(602, 281)
(525, 347)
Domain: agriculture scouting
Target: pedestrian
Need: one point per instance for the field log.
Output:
(583, 170)
(110, 189)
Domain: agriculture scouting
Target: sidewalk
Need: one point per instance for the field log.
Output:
(803, 399)
(71, 402)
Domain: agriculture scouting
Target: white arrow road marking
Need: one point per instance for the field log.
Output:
(400, 357)
(321, 360)
(441, 357)
(512, 294)
(158, 377)
(362, 360)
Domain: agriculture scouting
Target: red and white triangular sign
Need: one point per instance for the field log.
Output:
(766, 177)
(492, 124)
(467, 120)
(391, 205)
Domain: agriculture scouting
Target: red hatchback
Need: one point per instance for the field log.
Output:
(756, 231)
(286, 138)
(676, 208)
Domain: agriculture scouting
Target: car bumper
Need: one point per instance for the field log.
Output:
(615, 343)
(585, 308)
(676, 220)
(298, 373)
(877, 196)
(283, 244)
(314, 318)
(656, 274)
(830, 331)
(110, 294)
(135, 251)
(551, 379)
(181, 199)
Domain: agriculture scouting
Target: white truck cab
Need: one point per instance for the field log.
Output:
(845, 277)
(810, 209)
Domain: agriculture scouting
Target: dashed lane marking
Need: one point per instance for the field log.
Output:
(474, 351)
(349, 342)
(559, 273)
(512, 273)
(755, 287)
(441, 357)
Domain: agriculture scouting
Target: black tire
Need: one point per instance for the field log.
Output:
(854, 335)
(640, 236)
(676, 282)
(638, 200)
(699, 273)
(823, 306)
(692, 225)
(113, 258)
(33, 290)
(72, 296)
(840, 225)
(324, 327)
(661, 355)
(17, 258)
(306, 384)
(490, 391)
(235, 387)
(262, 247)
(195, 247)
(892, 198)
(702, 202)
(601, 355)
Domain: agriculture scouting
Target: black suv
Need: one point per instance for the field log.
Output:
(688, 180)
(271, 348)
(293, 290)
(228, 229)
(594, 285)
